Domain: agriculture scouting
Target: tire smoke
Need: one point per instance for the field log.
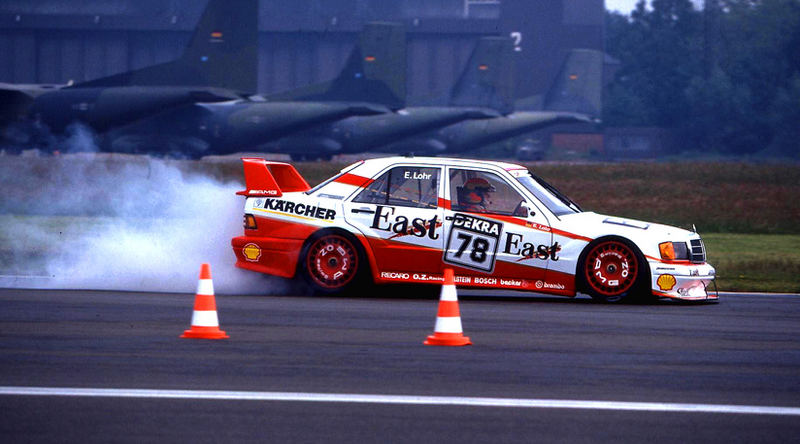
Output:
(111, 222)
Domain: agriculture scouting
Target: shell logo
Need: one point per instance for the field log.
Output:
(252, 252)
(666, 282)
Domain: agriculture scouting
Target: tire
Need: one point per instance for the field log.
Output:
(613, 270)
(333, 262)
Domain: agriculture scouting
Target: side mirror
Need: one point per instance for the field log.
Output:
(530, 208)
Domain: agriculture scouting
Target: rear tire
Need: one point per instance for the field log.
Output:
(613, 270)
(333, 262)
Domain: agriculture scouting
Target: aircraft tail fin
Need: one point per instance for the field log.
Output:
(375, 72)
(223, 53)
(579, 85)
(488, 79)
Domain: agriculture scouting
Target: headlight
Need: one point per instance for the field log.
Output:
(674, 251)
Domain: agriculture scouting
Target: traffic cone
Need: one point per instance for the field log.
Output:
(205, 324)
(448, 319)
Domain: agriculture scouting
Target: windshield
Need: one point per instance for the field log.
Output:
(554, 200)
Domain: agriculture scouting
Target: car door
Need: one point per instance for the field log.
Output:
(494, 233)
(400, 217)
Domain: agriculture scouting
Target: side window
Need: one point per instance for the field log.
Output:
(483, 192)
(376, 192)
(403, 186)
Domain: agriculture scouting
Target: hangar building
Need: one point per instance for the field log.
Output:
(301, 41)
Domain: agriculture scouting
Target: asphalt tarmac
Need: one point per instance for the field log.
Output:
(297, 369)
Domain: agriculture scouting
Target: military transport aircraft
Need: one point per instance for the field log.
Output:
(477, 96)
(371, 82)
(573, 98)
(224, 37)
(479, 112)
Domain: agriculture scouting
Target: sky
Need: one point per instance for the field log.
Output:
(623, 6)
(626, 6)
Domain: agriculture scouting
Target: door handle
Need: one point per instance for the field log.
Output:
(362, 210)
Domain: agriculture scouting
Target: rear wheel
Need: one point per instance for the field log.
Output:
(332, 263)
(613, 270)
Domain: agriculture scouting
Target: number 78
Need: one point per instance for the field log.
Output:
(479, 247)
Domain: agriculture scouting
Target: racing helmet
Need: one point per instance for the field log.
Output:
(476, 189)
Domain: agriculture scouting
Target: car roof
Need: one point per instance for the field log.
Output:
(380, 162)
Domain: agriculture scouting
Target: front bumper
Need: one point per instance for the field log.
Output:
(688, 282)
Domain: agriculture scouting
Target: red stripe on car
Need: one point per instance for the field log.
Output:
(353, 179)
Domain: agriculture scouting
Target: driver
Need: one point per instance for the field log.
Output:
(476, 195)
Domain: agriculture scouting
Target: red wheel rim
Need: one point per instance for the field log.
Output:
(332, 261)
(611, 268)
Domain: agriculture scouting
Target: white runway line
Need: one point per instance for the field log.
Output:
(402, 399)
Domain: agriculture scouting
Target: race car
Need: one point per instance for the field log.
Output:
(496, 224)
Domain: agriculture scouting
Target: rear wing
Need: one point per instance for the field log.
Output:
(270, 179)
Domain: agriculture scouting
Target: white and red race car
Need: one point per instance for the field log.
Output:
(404, 219)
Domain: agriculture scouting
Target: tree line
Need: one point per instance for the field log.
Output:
(725, 79)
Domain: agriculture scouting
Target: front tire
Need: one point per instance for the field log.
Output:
(332, 263)
(613, 270)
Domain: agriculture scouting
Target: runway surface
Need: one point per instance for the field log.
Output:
(104, 366)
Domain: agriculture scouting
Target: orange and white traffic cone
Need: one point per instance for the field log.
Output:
(205, 324)
(448, 319)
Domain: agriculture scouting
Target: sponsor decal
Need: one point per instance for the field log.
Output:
(300, 209)
(331, 196)
(259, 203)
(459, 280)
(528, 250)
(395, 275)
(414, 277)
(666, 282)
(267, 192)
(547, 285)
(402, 226)
(472, 242)
(252, 252)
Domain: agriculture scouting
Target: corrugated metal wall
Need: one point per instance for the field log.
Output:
(301, 42)
(286, 60)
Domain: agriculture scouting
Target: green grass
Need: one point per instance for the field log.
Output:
(755, 262)
(717, 197)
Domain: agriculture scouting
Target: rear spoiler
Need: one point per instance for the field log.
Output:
(270, 179)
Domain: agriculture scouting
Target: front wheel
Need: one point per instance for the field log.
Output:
(613, 270)
(332, 263)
